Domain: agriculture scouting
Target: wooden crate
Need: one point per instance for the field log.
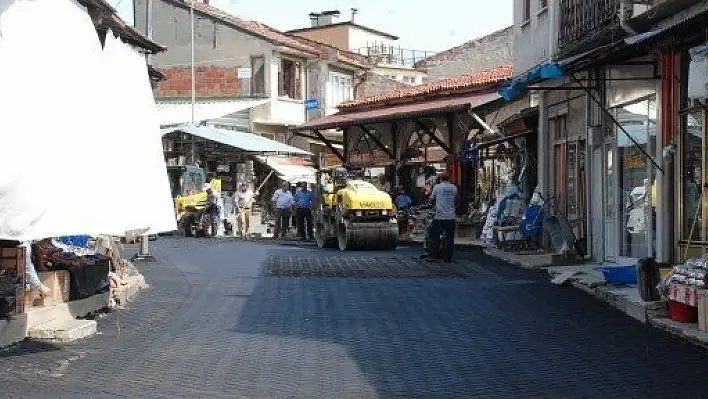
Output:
(13, 258)
(13, 261)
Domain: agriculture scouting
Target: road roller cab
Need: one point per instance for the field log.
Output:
(353, 214)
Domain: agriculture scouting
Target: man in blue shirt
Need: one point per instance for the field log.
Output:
(403, 201)
(303, 202)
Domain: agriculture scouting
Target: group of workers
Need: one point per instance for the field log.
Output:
(444, 195)
(284, 202)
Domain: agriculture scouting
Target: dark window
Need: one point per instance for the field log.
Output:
(527, 9)
(258, 87)
(543, 4)
(289, 79)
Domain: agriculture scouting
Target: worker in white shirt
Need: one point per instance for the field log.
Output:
(283, 202)
(243, 202)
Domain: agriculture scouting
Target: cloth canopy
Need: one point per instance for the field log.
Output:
(241, 140)
(288, 170)
(73, 178)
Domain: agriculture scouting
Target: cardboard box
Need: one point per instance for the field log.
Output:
(58, 282)
(703, 310)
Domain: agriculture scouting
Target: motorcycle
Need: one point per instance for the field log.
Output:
(428, 215)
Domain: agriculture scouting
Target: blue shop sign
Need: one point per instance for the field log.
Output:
(312, 104)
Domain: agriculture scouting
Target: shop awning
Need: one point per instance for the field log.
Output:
(513, 88)
(546, 71)
(289, 169)
(243, 141)
(396, 112)
(178, 112)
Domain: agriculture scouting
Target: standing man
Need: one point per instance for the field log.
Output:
(444, 194)
(243, 201)
(282, 202)
(303, 202)
(213, 210)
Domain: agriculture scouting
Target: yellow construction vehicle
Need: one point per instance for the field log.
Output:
(352, 214)
(187, 184)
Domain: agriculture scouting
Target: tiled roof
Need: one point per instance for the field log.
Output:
(276, 36)
(327, 50)
(254, 27)
(484, 78)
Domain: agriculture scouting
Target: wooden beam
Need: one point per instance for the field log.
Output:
(329, 145)
(432, 135)
(376, 141)
(307, 136)
(450, 121)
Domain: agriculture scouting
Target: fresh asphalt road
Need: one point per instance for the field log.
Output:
(222, 320)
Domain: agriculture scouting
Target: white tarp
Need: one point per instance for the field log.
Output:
(146, 200)
(60, 168)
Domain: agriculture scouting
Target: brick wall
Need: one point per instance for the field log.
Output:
(476, 55)
(374, 84)
(212, 82)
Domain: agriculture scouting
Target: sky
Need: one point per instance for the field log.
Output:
(430, 25)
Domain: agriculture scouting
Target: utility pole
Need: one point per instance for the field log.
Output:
(144, 254)
(194, 79)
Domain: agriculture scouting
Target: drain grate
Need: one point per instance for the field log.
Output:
(365, 267)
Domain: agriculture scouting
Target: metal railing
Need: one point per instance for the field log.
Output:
(392, 55)
(581, 18)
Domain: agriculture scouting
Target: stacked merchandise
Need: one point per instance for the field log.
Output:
(88, 270)
(683, 287)
(12, 278)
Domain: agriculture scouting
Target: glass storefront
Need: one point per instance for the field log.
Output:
(636, 205)
(692, 226)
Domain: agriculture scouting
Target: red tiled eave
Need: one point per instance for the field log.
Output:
(475, 80)
(427, 108)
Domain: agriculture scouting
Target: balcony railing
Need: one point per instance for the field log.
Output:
(391, 55)
(581, 18)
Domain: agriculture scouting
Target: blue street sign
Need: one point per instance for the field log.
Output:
(311, 104)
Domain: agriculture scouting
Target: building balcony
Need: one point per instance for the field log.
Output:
(581, 20)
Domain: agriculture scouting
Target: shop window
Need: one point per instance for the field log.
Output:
(692, 174)
(289, 79)
(635, 173)
(258, 86)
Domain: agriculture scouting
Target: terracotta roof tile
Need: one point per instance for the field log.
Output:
(328, 50)
(255, 27)
(490, 76)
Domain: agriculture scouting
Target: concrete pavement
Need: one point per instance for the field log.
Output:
(223, 318)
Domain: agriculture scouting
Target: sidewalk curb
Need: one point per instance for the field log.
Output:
(698, 338)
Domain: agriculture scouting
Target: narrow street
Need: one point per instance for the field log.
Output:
(218, 321)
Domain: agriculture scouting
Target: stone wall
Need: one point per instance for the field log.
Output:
(476, 55)
(373, 83)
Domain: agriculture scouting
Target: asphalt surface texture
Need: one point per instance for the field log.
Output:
(234, 319)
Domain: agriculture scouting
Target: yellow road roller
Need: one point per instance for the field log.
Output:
(352, 214)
